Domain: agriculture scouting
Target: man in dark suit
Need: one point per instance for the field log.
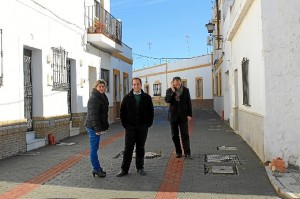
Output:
(137, 115)
(180, 112)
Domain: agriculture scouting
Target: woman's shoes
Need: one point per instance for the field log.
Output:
(99, 173)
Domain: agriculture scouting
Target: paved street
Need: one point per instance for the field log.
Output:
(64, 171)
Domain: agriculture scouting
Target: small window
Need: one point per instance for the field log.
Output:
(105, 76)
(125, 84)
(157, 89)
(245, 64)
(218, 84)
(184, 82)
(60, 70)
(199, 88)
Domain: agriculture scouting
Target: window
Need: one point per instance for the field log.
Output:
(60, 70)
(219, 83)
(105, 76)
(125, 84)
(199, 88)
(245, 64)
(184, 82)
(157, 89)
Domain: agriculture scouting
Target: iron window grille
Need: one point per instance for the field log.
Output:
(60, 70)
(245, 65)
(157, 89)
(105, 77)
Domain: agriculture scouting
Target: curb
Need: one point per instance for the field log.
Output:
(280, 189)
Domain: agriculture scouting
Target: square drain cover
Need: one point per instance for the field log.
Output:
(227, 148)
(222, 170)
(222, 158)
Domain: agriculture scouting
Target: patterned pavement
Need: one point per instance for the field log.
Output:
(64, 171)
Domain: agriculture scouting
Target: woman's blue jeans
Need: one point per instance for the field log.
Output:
(94, 147)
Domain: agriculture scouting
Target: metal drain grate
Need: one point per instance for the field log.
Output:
(222, 158)
(227, 148)
(213, 169)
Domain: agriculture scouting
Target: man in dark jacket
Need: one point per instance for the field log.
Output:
(137, 115)
(180, 112)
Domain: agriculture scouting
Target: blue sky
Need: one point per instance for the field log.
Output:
(163, 28)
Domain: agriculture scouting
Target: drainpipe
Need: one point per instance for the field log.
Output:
(1, 55)
(218, 24)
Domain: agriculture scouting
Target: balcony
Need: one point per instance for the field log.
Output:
(104, 31)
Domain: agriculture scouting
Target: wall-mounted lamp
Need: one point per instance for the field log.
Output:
(210, 29)
(81, 62)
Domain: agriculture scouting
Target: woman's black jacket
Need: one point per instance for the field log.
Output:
(97, 111)
(133, 118)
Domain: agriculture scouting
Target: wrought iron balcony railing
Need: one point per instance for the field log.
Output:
(100, 21)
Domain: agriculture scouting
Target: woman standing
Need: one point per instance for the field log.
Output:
(96, 122)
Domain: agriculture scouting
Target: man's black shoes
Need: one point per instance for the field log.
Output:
(122, 173)
(178, 155)
(188, 156)
(141, 172)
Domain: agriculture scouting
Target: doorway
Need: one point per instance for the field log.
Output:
(28, 88)
(116, 94)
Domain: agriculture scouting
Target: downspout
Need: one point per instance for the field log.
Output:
(218, 24)
(1, 54)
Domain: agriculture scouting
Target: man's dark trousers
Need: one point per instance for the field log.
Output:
(184, 133)
(138, 136)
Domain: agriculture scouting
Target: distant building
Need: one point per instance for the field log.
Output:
(51, 55)
(195, 73)
(256, 62)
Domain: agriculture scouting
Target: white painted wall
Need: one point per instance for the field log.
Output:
(123, 66)
(281, 53)
(247, 42)
(27, 24)
(183, 69)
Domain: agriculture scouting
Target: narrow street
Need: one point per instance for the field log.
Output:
(223, 166)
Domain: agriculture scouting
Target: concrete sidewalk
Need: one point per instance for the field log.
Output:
(223, 166)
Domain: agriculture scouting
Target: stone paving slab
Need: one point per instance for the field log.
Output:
(167, 177)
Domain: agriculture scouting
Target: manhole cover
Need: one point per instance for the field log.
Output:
(222, 169)
(222, 158)
(227, 148)
(148, 155)
(213, 169)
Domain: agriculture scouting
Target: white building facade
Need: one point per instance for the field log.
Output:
(196, 74)
(50, 58)
(258, 63)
